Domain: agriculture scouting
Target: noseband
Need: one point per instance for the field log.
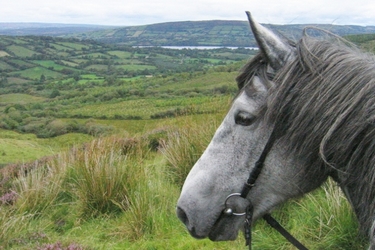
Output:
(248, 213)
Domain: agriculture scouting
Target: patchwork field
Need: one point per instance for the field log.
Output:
(95, 159)
(19, 98)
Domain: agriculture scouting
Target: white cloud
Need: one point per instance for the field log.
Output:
(137, 12)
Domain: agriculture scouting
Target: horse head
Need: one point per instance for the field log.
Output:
(237, 144)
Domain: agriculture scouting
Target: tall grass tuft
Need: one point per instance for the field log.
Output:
(11, 222)
(38, 188)
(320, 220)
(336, 226)
(105, 177)
(104, 174)
(152, 209)
(184, 147)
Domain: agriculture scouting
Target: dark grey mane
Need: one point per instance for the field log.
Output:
(324, 106)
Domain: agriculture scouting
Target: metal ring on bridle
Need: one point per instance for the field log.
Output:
(229, 210)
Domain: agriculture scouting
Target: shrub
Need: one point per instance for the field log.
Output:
(33, 126)
(57, 127)
(8, 198)
(54, 93)
(94, 129)
(8, 123)
(156, 138)
(175, 113)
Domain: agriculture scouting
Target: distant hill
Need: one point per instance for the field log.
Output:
(187, 33)
(47, 29)
(206, 33)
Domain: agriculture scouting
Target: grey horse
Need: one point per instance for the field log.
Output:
(319, 97)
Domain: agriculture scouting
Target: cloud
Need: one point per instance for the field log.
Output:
(137, 12)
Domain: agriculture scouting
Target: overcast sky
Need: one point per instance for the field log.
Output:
(138, 12)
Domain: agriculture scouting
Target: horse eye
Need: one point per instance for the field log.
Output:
(244, 118)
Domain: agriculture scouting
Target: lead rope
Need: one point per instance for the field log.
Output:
(273, 223)
(249, 209)
(247, 225)
(276, 225)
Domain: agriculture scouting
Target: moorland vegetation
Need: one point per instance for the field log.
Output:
(46, 82)
(96, 141)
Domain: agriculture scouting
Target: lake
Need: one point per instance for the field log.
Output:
(197, 47)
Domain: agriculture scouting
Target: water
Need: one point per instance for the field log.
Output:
(197, 47)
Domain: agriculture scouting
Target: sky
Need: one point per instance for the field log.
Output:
(140, 12)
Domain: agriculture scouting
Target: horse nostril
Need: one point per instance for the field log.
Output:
(182, 216)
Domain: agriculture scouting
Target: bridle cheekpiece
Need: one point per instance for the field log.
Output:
(248, 213)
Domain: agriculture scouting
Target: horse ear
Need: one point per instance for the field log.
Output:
(276, 48)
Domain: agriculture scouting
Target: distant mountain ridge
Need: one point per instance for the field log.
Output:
(186, 33)
(207, 33)
(47, 29)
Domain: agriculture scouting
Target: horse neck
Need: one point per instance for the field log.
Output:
(361, 196)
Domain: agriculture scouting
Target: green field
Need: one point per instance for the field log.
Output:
(120, 54)
(73, 45)
(23, 148)
(19, 98)
(52, 64)
(6, 66)
(147, 107)
(94, 158)
(20, 51)
(34, 60)
(36, 72)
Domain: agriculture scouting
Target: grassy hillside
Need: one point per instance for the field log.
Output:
(365, 41)
(207, 33)
(35, 60)
(191, 33)
(120, 192)
(100, 164)
(53, 86)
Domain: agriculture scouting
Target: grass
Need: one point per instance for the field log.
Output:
(184, 148)
(21, 51)
(150, 106)
(19, 98)
(16, 80)
(71, 45)
(36, 72)
(13, 150)
(135, 67)
(321, 220)
(205, 81)
(20, 148)
(75, 198)
(120, 54)
(52, 64)
(98, 55)
(97, 181)
(21, 63)
(3, 53)
(4, 65)
(120, 191)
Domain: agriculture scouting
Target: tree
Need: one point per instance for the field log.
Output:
(3, 81)
(42, 78)
(54, 93)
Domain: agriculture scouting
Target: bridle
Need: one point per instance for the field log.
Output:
(248, 185)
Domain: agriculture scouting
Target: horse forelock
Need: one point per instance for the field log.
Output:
(324, 105)
(256, 66)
